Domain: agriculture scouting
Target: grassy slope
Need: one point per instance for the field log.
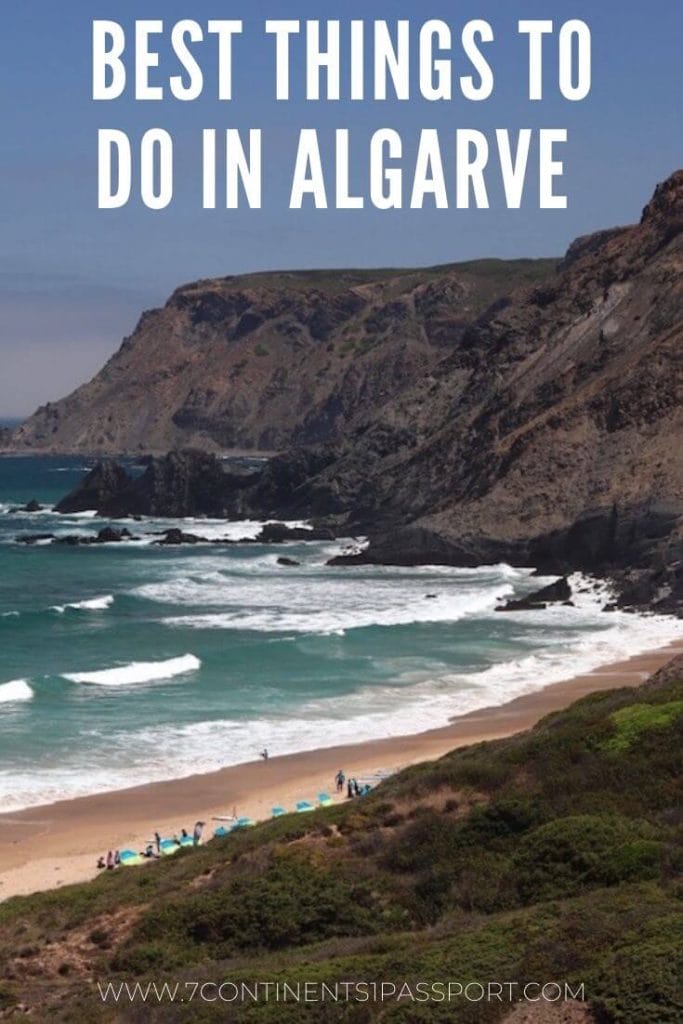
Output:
(500, 273)
(553, 855)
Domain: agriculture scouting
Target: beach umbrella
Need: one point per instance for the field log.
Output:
(243, 823)
(325, 800)
(129, 858)
(168, 847)
(303, 806)
(277, 812)
(220, 832)
(186, 841)
(130, 862)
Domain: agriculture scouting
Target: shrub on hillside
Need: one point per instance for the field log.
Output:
(289, 902)
(563, 857)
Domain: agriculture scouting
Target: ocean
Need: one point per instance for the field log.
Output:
(130, 663)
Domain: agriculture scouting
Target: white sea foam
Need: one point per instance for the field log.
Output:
(420, 697)
(16, 690)
(138, 672)
(93, 604)
(252, 594)
(412, 695)
(10, 615)
(319, 605)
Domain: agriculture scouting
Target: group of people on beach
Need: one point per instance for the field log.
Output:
(153, 848)
(111, 861)
(353, 788)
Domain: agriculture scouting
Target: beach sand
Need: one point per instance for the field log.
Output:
(46, 847)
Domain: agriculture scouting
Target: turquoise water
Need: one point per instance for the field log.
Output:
(128, 663)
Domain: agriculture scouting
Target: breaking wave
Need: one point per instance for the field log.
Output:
(16, 690)
(137, 672)
(94, 604)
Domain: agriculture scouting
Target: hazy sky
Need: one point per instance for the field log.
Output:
(73, 279)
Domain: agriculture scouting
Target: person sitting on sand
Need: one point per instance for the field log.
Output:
(101, 863)
(198, 831)
(149, 850)
(110, 861)
(183, 833)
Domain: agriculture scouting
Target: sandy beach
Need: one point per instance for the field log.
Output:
(50, 846)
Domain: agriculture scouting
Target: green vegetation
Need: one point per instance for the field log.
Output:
(631, 722)
(554, 855)
(495, 274)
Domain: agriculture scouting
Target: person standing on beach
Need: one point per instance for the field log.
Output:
(198, 831)
(349, 789)
(157, 840)
(110, 861)
(264, 754)
(340, 779)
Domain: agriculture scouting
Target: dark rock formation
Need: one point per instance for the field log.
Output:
(107, 535)
(99, 487)
(172, 538)
(32, 506)
(559, 592)
(658, 589)
(187, 483)
(276, 533)
(288, 562)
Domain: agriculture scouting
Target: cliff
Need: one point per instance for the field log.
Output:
(267, 360)
(550, 434)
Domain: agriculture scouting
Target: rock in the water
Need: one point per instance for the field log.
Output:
(412, 546)
(109, 535)
(175, 537)
(289, 562)
(179, 485)
(276, 533)
(559, 592)
(101, 486)
(32, 506)
(523, 605)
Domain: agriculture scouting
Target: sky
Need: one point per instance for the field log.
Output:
(74, 279)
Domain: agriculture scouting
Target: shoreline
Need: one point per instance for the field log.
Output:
(79, 830)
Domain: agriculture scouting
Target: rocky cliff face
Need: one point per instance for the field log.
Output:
(267, 360)
(551, 433)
